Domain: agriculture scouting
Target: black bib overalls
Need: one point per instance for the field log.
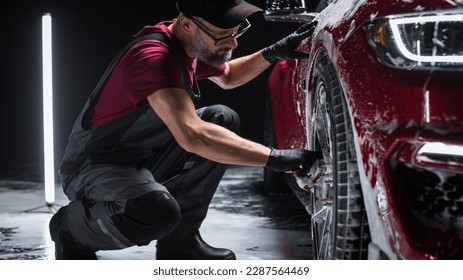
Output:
(129, 182)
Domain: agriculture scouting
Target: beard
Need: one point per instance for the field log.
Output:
(213, 58)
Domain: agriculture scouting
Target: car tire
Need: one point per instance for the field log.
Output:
(339, 221)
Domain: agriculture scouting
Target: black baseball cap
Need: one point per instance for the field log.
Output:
(221, 13)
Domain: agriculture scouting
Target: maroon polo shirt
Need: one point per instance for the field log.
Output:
(147, 67)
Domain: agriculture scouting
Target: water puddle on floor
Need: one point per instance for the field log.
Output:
(9, 252)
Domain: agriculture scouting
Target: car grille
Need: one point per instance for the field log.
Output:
(436, 198)
(431, 206)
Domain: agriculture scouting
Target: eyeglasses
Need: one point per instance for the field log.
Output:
(220, 41)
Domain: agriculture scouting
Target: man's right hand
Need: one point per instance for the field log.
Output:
(292, 159)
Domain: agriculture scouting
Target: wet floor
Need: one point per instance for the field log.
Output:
(241, 217)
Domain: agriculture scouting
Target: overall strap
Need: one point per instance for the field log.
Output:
(195, 93)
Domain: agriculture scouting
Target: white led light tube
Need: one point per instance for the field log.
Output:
(48, 145)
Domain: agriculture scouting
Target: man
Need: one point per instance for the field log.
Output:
(142, 163)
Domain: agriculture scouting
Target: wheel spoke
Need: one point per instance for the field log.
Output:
(324, 218)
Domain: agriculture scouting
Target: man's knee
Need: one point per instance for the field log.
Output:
(148, 217)
(223, 116)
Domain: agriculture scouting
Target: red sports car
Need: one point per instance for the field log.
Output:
(382, 96)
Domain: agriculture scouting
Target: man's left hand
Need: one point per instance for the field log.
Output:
(286, 47)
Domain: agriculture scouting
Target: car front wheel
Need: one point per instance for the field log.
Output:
(339, 222)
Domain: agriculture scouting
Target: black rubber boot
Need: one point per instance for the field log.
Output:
(66, 248)
(187, 244)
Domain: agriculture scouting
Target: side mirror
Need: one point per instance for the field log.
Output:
(290, 10)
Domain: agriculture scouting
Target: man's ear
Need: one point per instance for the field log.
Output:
(185, 24)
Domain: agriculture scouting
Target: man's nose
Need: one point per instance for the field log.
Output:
(233, 43)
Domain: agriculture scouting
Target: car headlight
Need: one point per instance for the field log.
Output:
(421, 40)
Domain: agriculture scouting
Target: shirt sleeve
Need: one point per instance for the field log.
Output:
(205, 70)
(151, 66)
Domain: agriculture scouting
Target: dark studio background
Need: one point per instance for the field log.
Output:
(86, 36)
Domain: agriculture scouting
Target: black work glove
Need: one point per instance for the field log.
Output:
(292, 159)
(286, 47)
